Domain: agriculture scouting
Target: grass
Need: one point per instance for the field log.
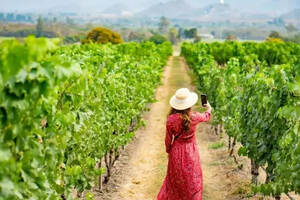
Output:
(180, 78)
(216, 145)
(216, 163)
(227, 162)
(243, 188)
(5, 38)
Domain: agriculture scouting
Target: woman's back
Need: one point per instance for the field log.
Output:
(174, 127)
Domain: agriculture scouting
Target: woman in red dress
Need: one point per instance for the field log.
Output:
(184, 175)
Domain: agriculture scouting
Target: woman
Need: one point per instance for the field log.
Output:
(184, 175)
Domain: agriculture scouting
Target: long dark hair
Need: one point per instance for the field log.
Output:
(185, 116)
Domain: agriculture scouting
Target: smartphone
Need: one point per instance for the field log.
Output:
(203, 99)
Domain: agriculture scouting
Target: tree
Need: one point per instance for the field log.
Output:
(103, 35)
(278, 21)
(2, 17)
(213, 33)
(158, 39)
(191, 33)
(274, 37)
(70, 39)
(138, 36)
(295, 38)
(275, 34)
(173, 35)
(276, 40)
(181, 32)
(231, 37)
(163, 25)
(132, 36)
(20, 18)
(291, 28)
(39, 27)
(70, 21)
(29, 18)
(197, 39)
(10, 17)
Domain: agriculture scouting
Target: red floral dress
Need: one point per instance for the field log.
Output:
(184, 175)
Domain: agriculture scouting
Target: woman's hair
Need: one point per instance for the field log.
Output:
(185, 116)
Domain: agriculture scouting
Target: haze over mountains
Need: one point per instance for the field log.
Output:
(220, 11)
(183, 9)
(269, 6)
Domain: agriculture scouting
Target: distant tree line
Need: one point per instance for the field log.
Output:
(188, 33)
(276, 37)
(176, 33)
(39, 30)
(12, 17)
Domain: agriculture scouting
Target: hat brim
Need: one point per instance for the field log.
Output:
(188, 103)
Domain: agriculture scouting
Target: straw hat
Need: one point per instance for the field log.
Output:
(183, 99)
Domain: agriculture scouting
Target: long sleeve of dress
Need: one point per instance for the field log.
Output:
(203, 117)
(168, 138)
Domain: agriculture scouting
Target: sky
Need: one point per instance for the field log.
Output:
(135, 5)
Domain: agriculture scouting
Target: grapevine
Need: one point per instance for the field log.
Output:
(255, 91)
(65, 109)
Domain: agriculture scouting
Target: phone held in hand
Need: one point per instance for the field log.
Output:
(203, 99)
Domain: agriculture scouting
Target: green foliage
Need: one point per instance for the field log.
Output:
(63, 108)
(103, 35)
(255, 95)
(158, 39)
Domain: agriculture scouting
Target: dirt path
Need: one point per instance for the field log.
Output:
(142, 167)
(139, 173)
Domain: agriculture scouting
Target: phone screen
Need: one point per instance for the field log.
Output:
(203, 99)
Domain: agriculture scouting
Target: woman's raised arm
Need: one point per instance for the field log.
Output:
(204, 117)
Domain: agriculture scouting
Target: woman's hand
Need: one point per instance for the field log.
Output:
(207, 106)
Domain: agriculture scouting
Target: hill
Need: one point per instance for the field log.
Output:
(171, 9)
(118, 9)
(211, 12)
(292, 16)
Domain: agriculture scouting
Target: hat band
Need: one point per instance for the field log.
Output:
(181, 101)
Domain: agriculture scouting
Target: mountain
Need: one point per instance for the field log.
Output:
(74, 8)
(171, 9)
(182, 10)
(233, 10)
(277, 6)
(261, 6)
(118, 10)
(212, 12)
(292, 16)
